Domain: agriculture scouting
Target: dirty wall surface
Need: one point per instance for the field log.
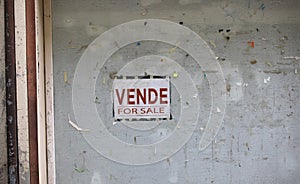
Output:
(256, 45)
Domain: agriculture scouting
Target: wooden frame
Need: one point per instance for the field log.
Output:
(44, 91)
(49, 116)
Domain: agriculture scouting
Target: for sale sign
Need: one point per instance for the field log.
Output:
(141, 98)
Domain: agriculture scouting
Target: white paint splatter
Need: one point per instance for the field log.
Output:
(292, 57)
(267, 80)
(239, 84)
(76, 126)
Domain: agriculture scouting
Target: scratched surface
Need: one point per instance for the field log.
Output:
(256, 44)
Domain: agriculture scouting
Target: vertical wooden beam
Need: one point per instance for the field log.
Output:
(49, 91)
(41, 91)
(21, 85)
(11, 103)
(3, 132)
(32, 91)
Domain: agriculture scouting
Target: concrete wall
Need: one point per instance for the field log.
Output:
(3, 151)
(259, 140)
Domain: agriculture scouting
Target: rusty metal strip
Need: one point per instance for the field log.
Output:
(32, 91)
(11, 102)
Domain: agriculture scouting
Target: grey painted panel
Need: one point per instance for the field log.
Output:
(259, 141)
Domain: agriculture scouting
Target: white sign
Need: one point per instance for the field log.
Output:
(141, 98)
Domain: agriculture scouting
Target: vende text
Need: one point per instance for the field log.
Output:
(137, 99)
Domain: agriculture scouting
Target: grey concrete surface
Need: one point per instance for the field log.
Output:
(3, 150)
(259, 141)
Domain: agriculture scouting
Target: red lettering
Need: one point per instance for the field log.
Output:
(150, 100)
(134, 110)
(120, 100)
(127, 111)
(129, 96)
(163, 95)
(149, 110)
(140, 96)
(143, 111)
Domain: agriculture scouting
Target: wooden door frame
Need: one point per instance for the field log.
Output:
(49, 95)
